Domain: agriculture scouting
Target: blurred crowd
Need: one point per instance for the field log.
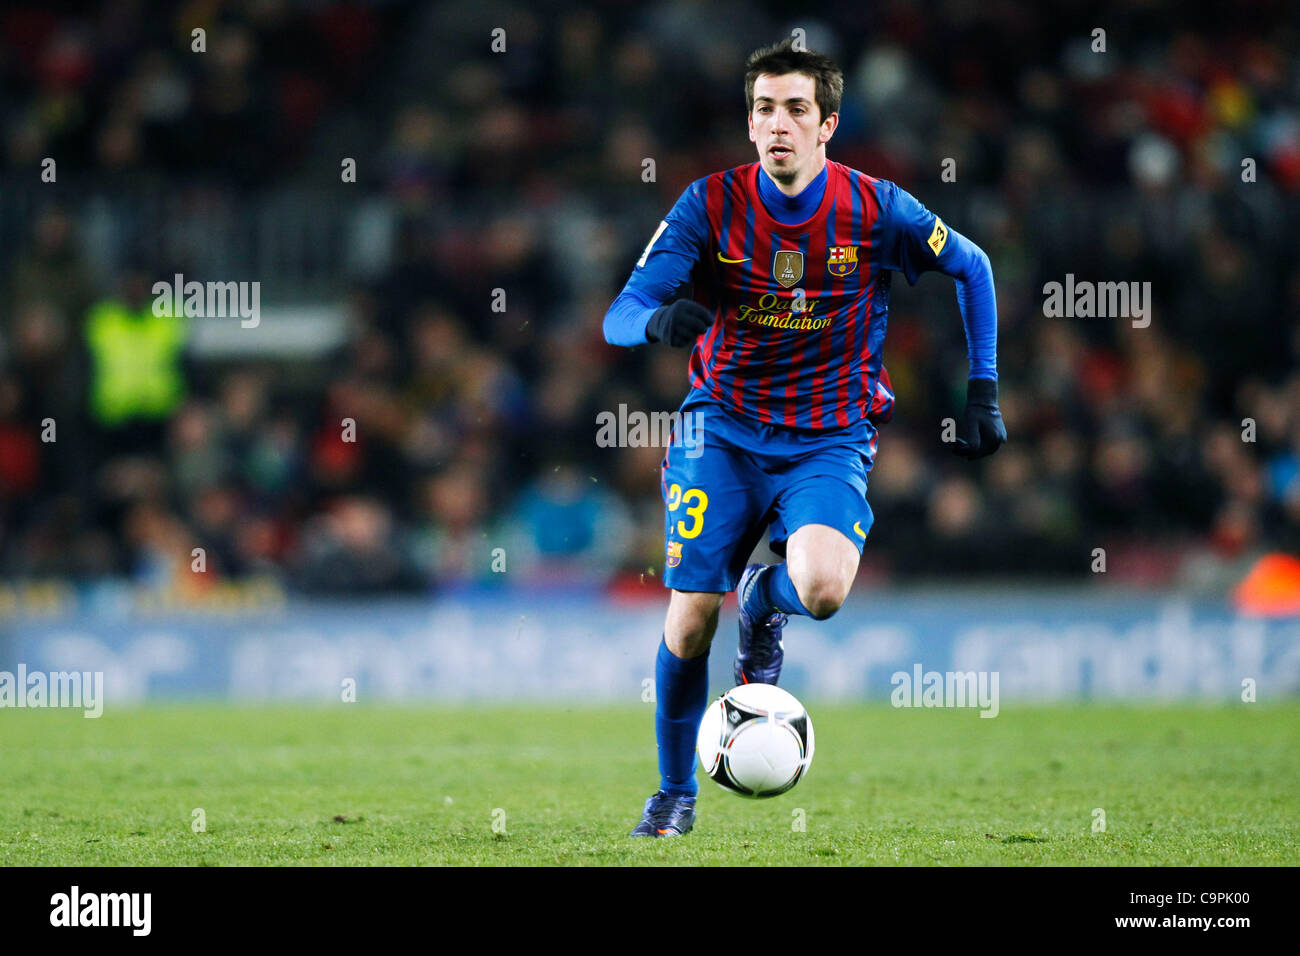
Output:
(475, 367)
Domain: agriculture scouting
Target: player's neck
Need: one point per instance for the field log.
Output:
(802, 182)
(787, 209)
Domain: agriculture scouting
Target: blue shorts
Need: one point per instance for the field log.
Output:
(725, 478)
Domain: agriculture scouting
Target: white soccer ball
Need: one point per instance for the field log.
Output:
(756, 740)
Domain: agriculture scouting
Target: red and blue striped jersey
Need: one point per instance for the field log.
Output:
(800, 311)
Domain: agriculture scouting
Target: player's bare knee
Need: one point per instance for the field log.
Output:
(823, 601)
(692, 622)
(824, 597)
(823, 563)
(688, 643)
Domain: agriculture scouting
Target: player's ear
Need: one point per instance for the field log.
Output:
(752, 137)
(828, 128)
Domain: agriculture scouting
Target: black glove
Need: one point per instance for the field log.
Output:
(983, 431)
(679, 323)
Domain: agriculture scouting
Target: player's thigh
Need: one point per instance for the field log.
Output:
(715, 500)
(829, 489)
(822, 563)
(821, 525)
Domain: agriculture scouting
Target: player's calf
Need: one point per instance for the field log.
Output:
(681, 694)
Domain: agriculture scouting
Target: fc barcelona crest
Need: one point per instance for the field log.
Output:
(787, 267)
(841, 260)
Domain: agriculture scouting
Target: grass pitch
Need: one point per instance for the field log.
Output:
(353, 785)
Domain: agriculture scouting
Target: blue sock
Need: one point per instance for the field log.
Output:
(681, 694)
(774, 591)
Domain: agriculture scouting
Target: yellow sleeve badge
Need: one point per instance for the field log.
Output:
(938, 236)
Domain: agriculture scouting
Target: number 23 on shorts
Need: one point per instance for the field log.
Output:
(695, 501)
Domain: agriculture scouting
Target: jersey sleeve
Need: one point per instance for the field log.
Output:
(664, 267)
(916, 241)
(678, 243)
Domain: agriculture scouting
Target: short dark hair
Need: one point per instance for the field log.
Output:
(782, 58)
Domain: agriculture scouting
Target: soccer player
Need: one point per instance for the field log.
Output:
(790, 259)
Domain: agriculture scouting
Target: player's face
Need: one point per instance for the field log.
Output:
(788, 129)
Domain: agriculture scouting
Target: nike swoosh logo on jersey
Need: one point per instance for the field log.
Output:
(857, 527)
(722, 258)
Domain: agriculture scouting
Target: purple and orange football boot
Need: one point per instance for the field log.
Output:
(760, 653)
(667, 814)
